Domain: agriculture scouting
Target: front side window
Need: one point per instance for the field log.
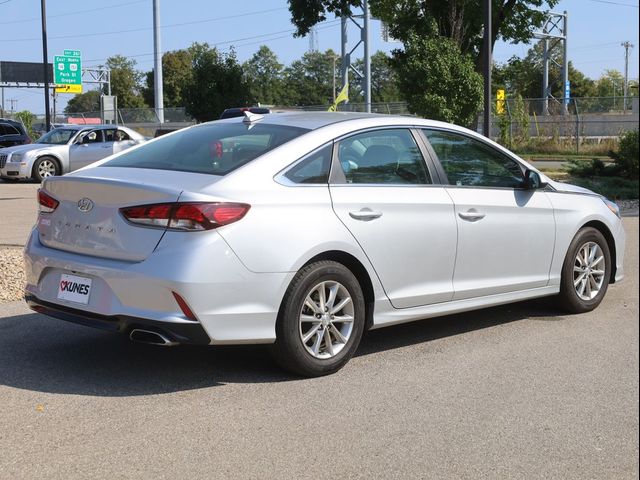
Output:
(314, 168)
(469, 162)
(212, 148)
(382, 157)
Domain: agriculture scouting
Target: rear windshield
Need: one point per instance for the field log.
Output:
(213, 148)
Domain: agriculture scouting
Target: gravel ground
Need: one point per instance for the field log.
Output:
(11, 274)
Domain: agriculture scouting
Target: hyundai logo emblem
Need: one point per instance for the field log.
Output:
(85, 205)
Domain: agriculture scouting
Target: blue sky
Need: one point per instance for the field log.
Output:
(107, 27)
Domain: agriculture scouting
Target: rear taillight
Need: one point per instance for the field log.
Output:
(46, 202)
(191, 216)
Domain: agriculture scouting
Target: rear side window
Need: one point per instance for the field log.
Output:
(314, 168)
(6, 129)
(212, 148)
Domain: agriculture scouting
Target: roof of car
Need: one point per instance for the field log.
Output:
(315, 120)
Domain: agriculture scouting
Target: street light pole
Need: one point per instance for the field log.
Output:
(157, 73)
(45, 65)
(486, 126)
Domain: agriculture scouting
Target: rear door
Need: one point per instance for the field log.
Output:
(506, 234)
(382, 191)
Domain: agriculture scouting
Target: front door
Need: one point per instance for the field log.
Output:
(506, 234)
(89, 148)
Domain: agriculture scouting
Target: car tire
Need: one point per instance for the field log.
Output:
(45, 167)
(586, 272)
(321, 320)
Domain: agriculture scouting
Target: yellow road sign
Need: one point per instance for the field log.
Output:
(70, 88)
(500, 101)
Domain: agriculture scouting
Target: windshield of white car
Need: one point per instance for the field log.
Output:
(59, 136)
(212, 148)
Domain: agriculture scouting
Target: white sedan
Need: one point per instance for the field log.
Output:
(65, 149)
(303, 230)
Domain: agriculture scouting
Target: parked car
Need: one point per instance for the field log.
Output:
(304, 230)
(64, 150)
(12, 133)
(239, 111)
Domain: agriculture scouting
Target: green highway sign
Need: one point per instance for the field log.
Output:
(71, 53)
(67, 70)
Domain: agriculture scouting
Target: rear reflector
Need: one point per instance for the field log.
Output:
(47, 203)
(184, 307)
(191, 216)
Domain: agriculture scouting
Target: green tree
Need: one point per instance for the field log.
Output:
(125, 82)
(85, 102)
(309, 81)
(217, 82)
(27, 118)
(176, 75)
(437, 80)
(264, 75)
(459, 20)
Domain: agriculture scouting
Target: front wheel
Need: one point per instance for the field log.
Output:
(586, 272)
(321, 320)
(45, 167)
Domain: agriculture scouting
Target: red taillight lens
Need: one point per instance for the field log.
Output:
(192, 216)
(46, 202)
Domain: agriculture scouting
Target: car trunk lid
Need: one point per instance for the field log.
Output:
(88, 221)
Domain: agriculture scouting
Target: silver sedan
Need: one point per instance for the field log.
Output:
(303, 230)
(64, 150)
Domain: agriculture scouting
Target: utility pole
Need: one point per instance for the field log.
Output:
(157, 70)
(367, 59)
(627, 45)
(486, 126)
(2, 100)
(45, 65)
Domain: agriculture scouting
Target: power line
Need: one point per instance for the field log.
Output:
(171, 25)
(78, 12)
(615, 3)
(328, 24)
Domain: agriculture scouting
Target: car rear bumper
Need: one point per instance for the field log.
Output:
(186, 333)
(232, 305)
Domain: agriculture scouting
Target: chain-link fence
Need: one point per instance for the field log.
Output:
(588, 124)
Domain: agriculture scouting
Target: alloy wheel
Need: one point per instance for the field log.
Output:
(588, 271)
(326, 319)
(46, 168)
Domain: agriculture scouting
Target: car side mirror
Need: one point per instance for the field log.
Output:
(533, 181)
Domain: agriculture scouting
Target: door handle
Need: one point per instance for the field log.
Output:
(365, 215)
(471, 215)
(106, 147)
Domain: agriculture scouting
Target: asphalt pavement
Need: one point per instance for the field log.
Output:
(520, 391)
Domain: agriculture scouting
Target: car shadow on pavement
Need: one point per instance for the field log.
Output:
(47, 355)
(440, 327)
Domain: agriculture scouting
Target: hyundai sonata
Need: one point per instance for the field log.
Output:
(302, 230)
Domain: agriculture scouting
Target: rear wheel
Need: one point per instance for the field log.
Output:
(45, 167)
(586, 272)
(321, 320)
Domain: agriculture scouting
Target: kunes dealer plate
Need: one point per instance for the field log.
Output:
(74, 288)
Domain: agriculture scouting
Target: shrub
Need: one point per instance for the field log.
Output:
(626, 157)
(593, 168)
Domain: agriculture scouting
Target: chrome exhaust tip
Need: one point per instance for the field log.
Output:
(153, 338)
